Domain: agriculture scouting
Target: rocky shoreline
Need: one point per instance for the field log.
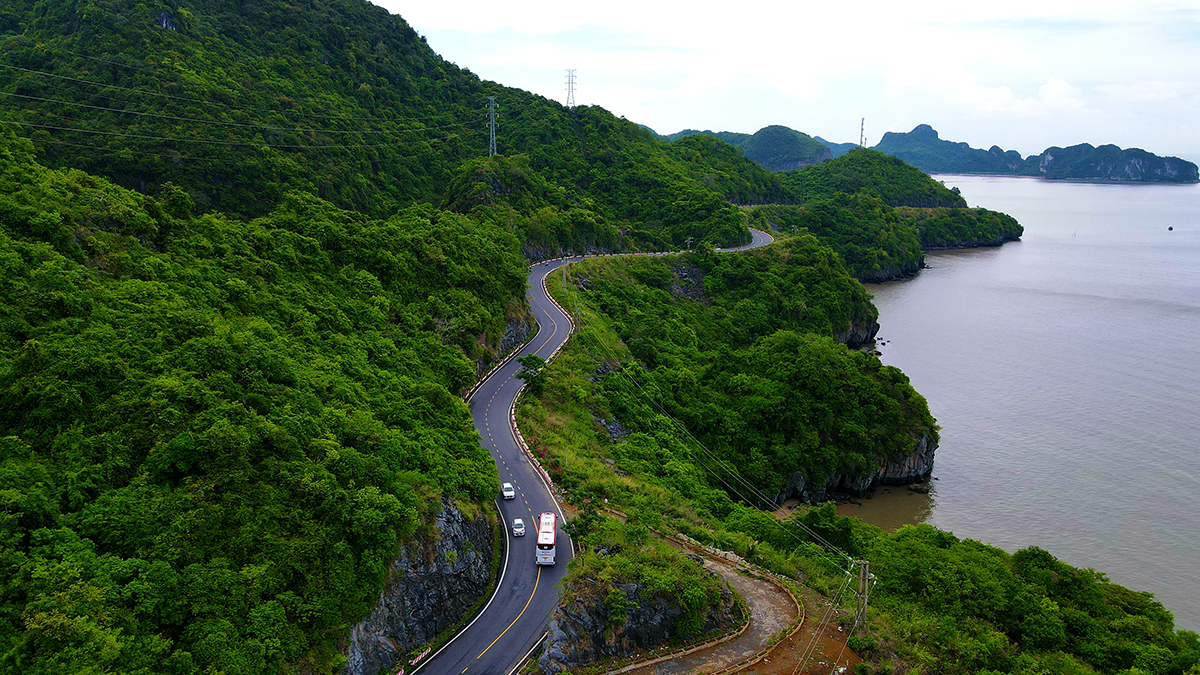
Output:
(916, 467)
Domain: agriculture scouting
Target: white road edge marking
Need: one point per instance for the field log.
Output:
(481, 612)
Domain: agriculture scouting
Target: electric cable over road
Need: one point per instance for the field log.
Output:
(513, 621)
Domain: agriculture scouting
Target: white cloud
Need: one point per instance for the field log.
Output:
(1148, 92)
(1084, 70)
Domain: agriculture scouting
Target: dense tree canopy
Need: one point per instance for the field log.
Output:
(214, 435)
(240, 104)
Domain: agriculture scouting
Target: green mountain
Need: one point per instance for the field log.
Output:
(893, 180)
(922, 148)
(733, 138)
(776, 148)
(779, 148)
(739, 352)
(252, 254)
(880, 214)
(241, 103)
(215, 434)
(836, 149)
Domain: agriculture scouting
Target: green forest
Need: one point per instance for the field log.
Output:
(240, 104)
(216, 433)
(253, 255)
(880, 214)
(661, 410)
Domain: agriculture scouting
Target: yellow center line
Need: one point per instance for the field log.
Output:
(535, 585)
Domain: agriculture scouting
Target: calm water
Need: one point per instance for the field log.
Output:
(1064, 370)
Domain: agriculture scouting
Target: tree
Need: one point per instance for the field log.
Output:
(533, 371)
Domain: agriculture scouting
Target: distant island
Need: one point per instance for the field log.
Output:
(779, 148)
(922, 148)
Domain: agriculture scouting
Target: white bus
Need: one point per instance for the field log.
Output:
(547, 532)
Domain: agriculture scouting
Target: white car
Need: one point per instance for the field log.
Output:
(507, 491)
(518, 528)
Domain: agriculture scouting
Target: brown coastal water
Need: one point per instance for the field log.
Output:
(1064, 370)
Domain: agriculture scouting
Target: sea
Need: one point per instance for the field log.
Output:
(1064, 371)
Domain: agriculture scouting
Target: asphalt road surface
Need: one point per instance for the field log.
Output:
(514, 620)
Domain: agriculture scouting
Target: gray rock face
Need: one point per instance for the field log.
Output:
(581, 631)
(900, 470)
(515, 332)
(858, 334)
(534, 253)
(908, 269)
(689, 283)
(432, 586)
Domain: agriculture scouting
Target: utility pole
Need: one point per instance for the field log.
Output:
(864, 589)
(492, 126)
(571, 88)
(862, 140)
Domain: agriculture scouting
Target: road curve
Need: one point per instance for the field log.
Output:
(514, 619)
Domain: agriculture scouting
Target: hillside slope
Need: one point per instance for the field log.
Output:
(775, 147)
(215, 435)
(239, 104)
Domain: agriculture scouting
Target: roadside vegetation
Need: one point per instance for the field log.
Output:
(215, 434)
(652, 438)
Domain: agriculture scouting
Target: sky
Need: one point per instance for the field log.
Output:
(1021, 74)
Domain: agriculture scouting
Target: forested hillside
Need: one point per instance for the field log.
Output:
(215, 434)
(683, 405)
(775, 147)
(239, 104)
(880, 214)
(252, 254)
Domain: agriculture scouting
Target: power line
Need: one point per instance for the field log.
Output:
(810, 649)
(206, 141)
(162, 154)
(96, 58)
(178, 118)
(189, 99)
(571, 88)
(731, 471)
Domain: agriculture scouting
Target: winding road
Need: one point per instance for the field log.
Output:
(514, 619)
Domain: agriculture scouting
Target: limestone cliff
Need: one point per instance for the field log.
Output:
(433, 584)
(516, 331)
(582, 631)
(858, 334)
(914, 467)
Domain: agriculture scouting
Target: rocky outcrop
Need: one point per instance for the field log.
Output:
(689, 283)
(907, 269)
(538, 252)
(858, 334)
(901, 470)
(432, 585)
(582, 631)
(516, 332)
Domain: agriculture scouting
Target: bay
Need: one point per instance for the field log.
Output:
(1064, 370)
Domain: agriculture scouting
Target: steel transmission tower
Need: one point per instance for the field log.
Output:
(862, 139)
(571, 88)
(492, 126)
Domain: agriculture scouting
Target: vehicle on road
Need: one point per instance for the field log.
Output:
(547, 533)
(507, 491)
(518, 528)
